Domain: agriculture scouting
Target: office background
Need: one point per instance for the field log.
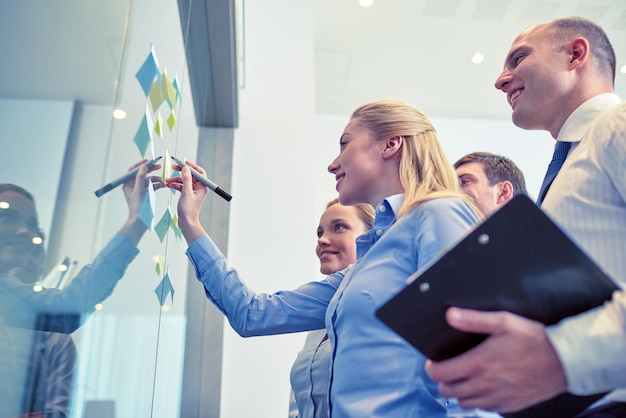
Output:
(267, 88)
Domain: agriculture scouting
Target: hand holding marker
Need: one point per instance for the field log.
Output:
(124, 178)
(202, 179)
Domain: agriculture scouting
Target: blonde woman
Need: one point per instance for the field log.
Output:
(391, 158)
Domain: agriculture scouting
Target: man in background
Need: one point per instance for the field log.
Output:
(490, 180)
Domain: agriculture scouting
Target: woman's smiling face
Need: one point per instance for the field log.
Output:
(358, 166)
(336, 234)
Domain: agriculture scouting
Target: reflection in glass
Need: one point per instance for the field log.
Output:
(106, 349)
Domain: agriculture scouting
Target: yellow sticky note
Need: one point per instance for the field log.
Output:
(158, 126)
(159, 264)
(171, 121)
(168, 91)
(156, 96)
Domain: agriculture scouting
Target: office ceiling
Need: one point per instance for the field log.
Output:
(413, 50)
(419, 50)
(62, 50)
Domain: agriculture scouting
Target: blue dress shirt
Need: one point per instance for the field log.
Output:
(374, 372)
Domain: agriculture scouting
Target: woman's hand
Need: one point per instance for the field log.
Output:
(193, 194)
(135, 190)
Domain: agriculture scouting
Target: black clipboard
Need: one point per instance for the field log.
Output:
(519, 261)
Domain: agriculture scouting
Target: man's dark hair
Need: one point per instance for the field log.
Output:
(9, 187)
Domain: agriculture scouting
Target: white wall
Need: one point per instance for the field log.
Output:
(273, 218)
(531, 151)
(33, 137)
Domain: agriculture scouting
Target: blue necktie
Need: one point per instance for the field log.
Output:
(560, 152)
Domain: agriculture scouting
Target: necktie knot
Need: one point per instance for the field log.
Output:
(560, 152)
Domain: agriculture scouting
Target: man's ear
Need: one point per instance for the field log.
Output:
(579, 52)
(505, 193)
(392, 146)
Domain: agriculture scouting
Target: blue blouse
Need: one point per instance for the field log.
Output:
(374, 372)
(310, 375)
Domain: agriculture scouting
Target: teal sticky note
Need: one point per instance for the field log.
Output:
(146, 212)
(177, 232)
(176, 85)
(164, 289)
(174, 225)
(163, 225)
(143, 137)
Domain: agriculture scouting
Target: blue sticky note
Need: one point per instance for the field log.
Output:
(176, 85)
(163, 289)
(148, 71)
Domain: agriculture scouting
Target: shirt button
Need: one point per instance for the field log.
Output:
(382, 208)
(379, 232)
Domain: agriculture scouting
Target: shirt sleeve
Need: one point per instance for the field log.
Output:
(251, 313)
(612, 130)
(293, 407)
(592, 347)
(442, 223)
(94, 283)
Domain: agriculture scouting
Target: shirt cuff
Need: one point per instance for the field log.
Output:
(202, 253)
(591, 348)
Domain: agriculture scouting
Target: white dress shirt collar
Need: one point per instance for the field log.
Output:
(577, 123)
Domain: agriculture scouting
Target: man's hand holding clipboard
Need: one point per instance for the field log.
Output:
(519, 261)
